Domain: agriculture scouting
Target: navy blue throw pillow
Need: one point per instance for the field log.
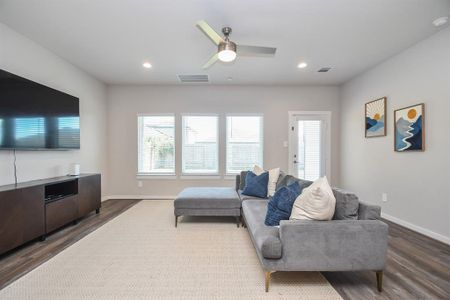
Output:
(280, 206)
(256, 185)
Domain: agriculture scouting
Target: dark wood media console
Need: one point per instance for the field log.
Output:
(33, 209)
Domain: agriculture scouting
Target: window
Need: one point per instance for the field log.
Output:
(156, 154)
(200, 145)
(244, 143)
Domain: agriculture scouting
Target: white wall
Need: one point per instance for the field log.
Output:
(125, 102)
(417, 183)
(23, 57)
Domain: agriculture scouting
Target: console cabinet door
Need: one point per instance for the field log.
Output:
(89, 194)
(22, 216)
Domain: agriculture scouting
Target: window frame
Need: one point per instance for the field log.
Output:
(156, 175)
(261, 123)
(200, 175)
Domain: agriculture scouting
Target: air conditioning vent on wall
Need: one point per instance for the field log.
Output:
(324, 70)
(193, 78)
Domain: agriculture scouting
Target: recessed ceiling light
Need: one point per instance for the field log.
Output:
(302, 65)
(440, 21)
(147, 65)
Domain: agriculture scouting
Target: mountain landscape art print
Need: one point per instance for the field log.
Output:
(375, 119)
(409, 128)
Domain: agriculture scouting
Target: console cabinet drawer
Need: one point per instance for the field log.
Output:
(61, 212)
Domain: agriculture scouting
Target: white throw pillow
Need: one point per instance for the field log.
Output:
(273, 178)
(316, 202)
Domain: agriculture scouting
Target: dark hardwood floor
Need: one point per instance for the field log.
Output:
(417, 267)
(22, 260)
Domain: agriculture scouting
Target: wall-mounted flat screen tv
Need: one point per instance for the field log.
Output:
(36, 117)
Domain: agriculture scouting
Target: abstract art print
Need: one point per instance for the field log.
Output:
(376, 118)
(409, 128)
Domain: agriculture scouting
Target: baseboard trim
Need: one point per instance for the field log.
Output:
(441, 238)
(138, 197)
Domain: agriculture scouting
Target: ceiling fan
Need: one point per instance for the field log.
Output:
(228, 50)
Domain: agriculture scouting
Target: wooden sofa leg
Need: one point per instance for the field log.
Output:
(176, 221)
(379, 280)
(237, 221)
(267, 273)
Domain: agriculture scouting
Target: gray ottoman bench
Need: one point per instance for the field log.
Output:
(208, 201)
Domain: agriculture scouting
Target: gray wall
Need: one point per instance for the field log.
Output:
(125, 102)
(417, 184)
(25, 58)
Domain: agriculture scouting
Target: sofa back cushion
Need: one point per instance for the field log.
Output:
(280, 205)
(256, 185)
(242, 181)
(347, 205)
(289, 179)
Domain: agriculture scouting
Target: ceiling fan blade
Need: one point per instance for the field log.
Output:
(211, 61)
(214, 36)
(255, 50)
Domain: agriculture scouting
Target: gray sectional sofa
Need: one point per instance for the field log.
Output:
(354, 240)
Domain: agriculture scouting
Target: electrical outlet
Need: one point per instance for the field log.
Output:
(384, 197)
(140, 184)
(285, 144)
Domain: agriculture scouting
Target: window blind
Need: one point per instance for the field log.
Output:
(244, 143)
(156, 151)
(200, 145)
(309, 149)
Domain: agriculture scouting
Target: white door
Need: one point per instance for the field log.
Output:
(309, 144)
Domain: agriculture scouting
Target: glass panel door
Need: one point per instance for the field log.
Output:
(308, 146)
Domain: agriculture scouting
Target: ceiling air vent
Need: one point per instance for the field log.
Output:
(193, 78)
(324, 70)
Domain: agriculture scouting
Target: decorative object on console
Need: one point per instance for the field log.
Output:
(256, 185)
(375, 118)
(274, 174)
(316, 202)
(280, 205)
(74, 170)
(410, 128)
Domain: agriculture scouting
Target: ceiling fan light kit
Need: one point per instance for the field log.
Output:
(227, 51)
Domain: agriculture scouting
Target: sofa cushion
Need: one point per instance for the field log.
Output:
(256, 185)
(289, 179)
(242, 180)
(266, 239)
(280, 205)
(207, 198)
(316, 202)
(246, 197)
(347, 205)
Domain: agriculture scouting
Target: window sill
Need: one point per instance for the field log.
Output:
(156, 176)
(199, 176)
(230, 176)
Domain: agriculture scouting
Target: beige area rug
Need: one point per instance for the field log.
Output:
(141, 255)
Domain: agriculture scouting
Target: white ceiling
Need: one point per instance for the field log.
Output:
(110, 39)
